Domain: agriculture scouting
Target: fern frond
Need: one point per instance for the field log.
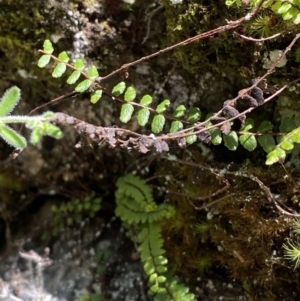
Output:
(286, 144)
(173, 290)
(135, 188)
(135, 202)
(135, 206)
(151, 250)
(132, 212)
(185, 126)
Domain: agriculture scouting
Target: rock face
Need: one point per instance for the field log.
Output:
(205, 74)
(94, 266)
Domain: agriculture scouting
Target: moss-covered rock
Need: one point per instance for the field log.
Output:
(236, 228)
(227, 52)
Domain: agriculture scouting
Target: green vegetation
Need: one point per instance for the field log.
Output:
(143, 217)
(72, 213)
(39, 125)
(186, 126)
(225, 218)
(288, 10)
(292, 245)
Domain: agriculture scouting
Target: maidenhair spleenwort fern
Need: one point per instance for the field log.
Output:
(286, 142)
(92, 81)
(137, 209)
(185, 126)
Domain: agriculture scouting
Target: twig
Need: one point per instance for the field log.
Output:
(148, 18)
(209, 204)
(257, 40)
(184, 133)
(265, 189)
(245, 91)
(229, 26)
(219, 173)
(54, 101)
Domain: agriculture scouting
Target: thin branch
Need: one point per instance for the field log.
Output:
(229, 26)
(54, 101)
(260, 134)
(257, 40)
(184, 133)
(240, 173)
(205, 206)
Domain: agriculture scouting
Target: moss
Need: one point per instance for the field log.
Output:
(288, 105)
(23, 25)
(213, 54)
(227, 53)
(265, 24)
(242, 232)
